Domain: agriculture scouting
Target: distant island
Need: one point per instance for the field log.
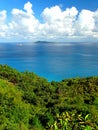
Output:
(43, 42)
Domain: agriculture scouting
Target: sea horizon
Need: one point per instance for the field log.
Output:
(52, 60)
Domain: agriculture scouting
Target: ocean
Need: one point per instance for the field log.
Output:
(53, 61)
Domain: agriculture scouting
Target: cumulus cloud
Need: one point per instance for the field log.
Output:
(57, 24)
(60, 22)
(85, 23)
(28, 8)
(2, 16)
(96, 22)
(24, 24)
(3, 26)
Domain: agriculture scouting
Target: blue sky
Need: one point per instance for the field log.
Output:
(52, 20)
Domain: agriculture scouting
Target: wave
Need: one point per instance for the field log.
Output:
(84, 54)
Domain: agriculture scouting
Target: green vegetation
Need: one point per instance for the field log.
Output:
(29, 102)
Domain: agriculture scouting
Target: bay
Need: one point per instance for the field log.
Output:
(53, 61)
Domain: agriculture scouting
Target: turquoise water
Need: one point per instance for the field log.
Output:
(54, 61)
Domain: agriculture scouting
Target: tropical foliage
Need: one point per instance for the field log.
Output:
(29, 102)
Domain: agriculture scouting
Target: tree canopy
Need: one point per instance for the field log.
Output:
(30, 102)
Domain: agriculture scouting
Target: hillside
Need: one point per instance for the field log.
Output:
(29, 102)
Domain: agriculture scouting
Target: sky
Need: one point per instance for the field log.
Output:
(49, 20)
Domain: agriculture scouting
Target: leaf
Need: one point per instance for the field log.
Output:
(87, 116)
(88, 128)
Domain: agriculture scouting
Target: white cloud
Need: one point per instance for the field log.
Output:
(85, 23)
(68, 24)
(59, 23)
(24, 24)
(96, 21)
(28, 8)
(3, 26)
(2, 16)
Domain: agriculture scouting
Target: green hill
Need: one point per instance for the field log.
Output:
(29, 102)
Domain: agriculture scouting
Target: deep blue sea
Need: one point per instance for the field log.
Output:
(54, 61)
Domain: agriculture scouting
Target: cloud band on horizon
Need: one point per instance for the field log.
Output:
(57, 24)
